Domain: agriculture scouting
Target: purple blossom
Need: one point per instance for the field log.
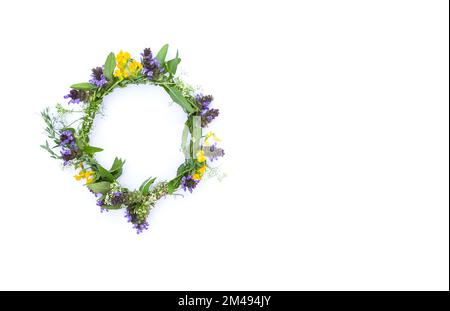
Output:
(208, 116)
(68, 155)
(204, 101)
(66, 138)
(139, 226)
(213, 153)
(188, 183)
(150, 65)
(76, 96)
(117, 198)
(97, 77)
(101, 203)
(69, 149)
(206, 113)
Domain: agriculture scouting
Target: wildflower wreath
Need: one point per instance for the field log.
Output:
(75, 151)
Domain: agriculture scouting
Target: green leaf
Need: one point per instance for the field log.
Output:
(186, 167)
(47, 147)
(196, 132)
(117, 165)
(91, 149)
(110, 65)
(84, 86)
(174, 184)
(177, 97)
(112, 206)
(184, 144)
(105, 174)
(172, 65)
(100, 187)
(146, 185)
(143, 184)
(181, 169)
(161, 56)
(116, 168)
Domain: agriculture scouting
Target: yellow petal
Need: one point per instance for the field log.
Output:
(118, 73)
(196, 177)
(202, 169)
(208, 136)
(201, 156)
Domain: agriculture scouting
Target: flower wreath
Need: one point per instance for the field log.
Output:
(73, 138)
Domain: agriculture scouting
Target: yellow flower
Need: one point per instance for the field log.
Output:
(200, 172)
(201, 156)
(202, 169)
(208, 136)
(88, 175)
(122, 59)
(135, 67)
(118, 73)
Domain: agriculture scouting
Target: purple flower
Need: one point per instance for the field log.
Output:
(188, 183)
(66, 137)
(68, 155)
(69, 150)
(117, 198)
(204, 101)
(208, 116)
(101, 203)
(97, 77)
(150, 65)
(76, 96)
(140, 226)
(213, 153)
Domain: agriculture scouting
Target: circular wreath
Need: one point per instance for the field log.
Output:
(73, 137)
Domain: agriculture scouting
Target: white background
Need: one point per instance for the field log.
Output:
(334, 117)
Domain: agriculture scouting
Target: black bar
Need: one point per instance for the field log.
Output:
(232, 300)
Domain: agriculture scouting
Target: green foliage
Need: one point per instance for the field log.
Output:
(110, 65)
(104, 174)
(184, 138)
(91, 149)
(117, 167)
(112, 207)
(85, 86)
(52, 153)
(50, 128)
(196, 133)
(145, 186)
(174, 184)
(106, 180)
(171, 65)
(177, 97)
(186, 167)
(100, 187)
(161, 56)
